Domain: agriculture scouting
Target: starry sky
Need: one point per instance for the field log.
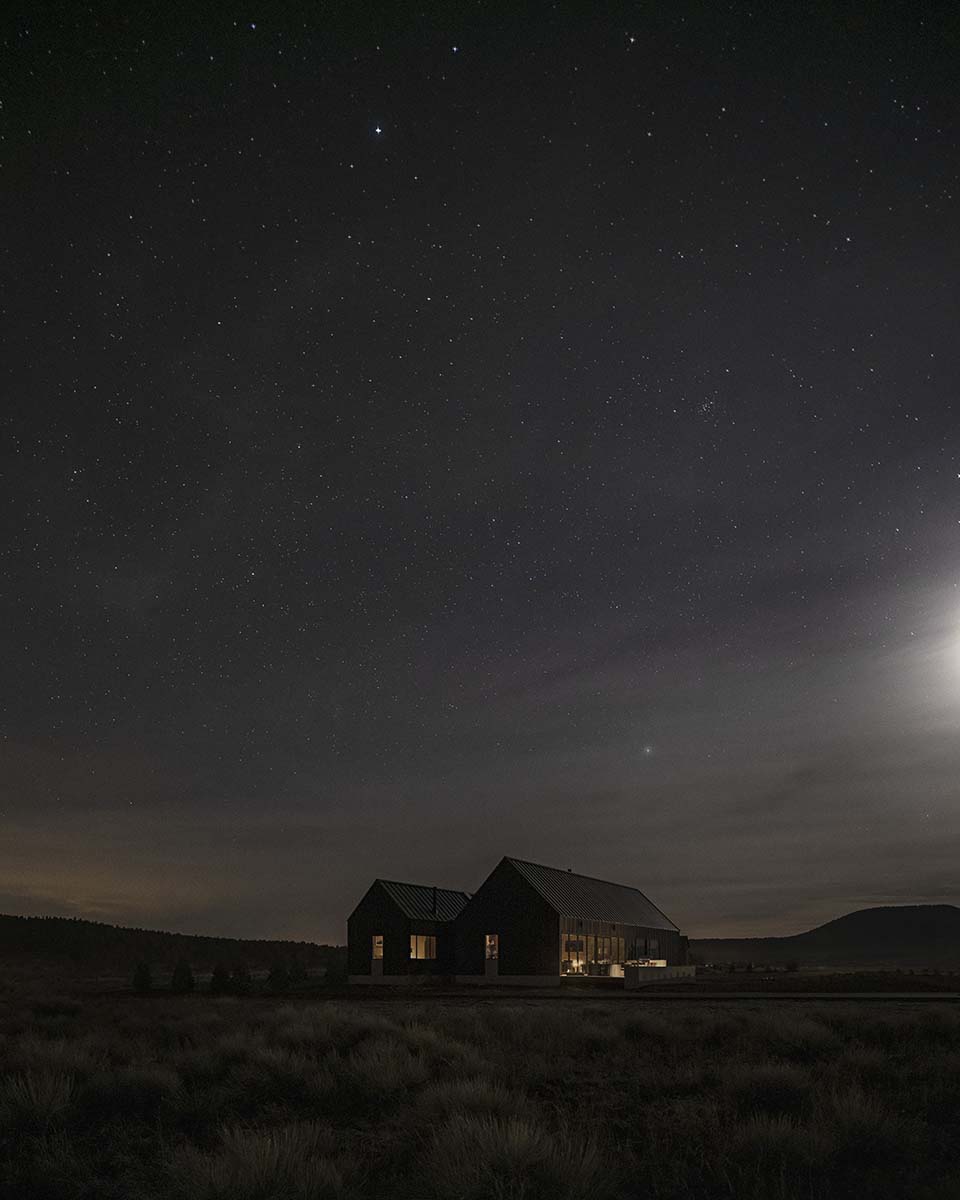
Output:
(439, 432)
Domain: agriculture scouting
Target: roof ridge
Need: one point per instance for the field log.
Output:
(566, 871)
(429, 886)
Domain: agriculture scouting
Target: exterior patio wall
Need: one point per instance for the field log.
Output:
(634, 977)
(510, 980)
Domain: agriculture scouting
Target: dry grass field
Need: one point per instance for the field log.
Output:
(204, 1098)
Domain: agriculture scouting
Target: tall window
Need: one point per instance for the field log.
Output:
(423, 945)
(493, 945)
(378, 945)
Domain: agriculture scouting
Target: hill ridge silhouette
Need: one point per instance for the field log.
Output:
(896, 935)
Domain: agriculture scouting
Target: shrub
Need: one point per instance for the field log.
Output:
(802, 1039)
(865, 1064)
(482, 1157)
(649, 1028)
(67, 1056)
(380, 1068)
(182, 980)
(240, 980)
(278, 979)
(335, 974)
(56, 1170)
(776, 1144)
(291, 1163)
(35, 1099)
(142, 978)
(57, 1007)
(441, 1052)
(220, 980)
(335, 1027)
(276, 1077)
(865, 1131)
(131, 1093)
(770, 1087)
(476, 1097)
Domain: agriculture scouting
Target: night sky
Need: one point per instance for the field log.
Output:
(443, 432)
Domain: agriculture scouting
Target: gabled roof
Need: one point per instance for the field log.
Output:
(424, 903)
(589, 899)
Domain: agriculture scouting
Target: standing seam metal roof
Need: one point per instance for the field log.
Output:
(416, 900)
(589, 899)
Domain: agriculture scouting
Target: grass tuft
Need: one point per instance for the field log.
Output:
(769, 1087)
(36, 1099)
(489, 1158)
(289, 1163)
(382, 1068)
(472, 1097)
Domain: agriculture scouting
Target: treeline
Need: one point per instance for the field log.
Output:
(103, 948)
(238, 980)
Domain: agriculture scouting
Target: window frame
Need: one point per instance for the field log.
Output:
(423, 947)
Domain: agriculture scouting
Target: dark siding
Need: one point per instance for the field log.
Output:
(671, 948)
(377, 913)
(529, 928)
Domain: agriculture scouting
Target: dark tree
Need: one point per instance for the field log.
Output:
(220, 980)
(298, 972)
(279, 978)
(182, 979)
(336, 973)
(142, 978)
(240, 979)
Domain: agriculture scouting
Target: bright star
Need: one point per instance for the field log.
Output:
(377, 129)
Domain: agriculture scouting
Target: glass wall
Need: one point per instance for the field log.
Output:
(423, 945)
(601, 947)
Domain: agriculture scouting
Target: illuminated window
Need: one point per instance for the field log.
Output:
(423, 945)
(493, 945)
(378, 945)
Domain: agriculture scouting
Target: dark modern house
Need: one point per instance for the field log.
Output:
(525, 924)
(400, 930)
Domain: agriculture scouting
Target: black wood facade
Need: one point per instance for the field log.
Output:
(396, 913)
(527, 928)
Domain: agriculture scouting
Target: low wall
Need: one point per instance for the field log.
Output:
(390, 980)
(634, 977)
(510, 980)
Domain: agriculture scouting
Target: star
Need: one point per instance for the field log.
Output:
(377, 129)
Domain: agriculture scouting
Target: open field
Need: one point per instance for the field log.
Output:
(493, 1098)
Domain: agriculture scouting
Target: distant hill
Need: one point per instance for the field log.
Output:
(915, 935)
(92, 946)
